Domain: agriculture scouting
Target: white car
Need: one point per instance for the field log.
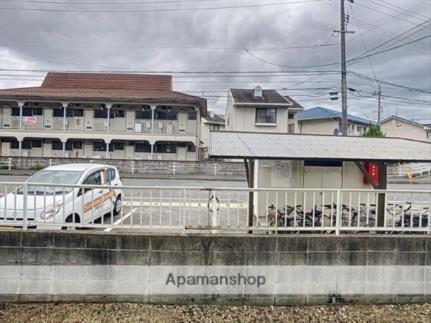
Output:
(52, 207)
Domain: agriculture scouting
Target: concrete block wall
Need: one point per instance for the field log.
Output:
(299, 251)
(145, 166)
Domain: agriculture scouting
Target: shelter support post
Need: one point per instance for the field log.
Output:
(249, 170)
(382, 196)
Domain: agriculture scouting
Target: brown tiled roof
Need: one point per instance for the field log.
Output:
(246, 96)
(108, 81)
(103, 88)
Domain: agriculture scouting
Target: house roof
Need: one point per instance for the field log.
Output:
(215, 118)
(143, 82)
(104, 87)
(235, 145)
(319, 113)
(406, 121)
(246, 96)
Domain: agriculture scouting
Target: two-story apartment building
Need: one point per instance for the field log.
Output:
(91, 115)
(395, 126)
(258, 110)
(324, 121)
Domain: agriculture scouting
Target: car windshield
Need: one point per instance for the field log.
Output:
(52, 177)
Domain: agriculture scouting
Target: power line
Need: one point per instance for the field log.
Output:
(224, 74)
(385, 13)
(420, 26)
(380, 31)
(161, 10)
(390, 49)
(183, 47)
(398, 9)
(414, 7)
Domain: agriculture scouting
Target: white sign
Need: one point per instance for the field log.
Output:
(30, 121)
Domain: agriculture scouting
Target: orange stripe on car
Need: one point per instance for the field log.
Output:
(96, 202)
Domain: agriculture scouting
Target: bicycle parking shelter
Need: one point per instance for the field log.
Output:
(313, 161)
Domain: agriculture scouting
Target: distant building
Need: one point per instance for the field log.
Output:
(212, 122)
(258, 110)
(395, 126)
(323, 121)
(101, 115)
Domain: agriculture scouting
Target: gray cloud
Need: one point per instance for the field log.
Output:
(156, 41)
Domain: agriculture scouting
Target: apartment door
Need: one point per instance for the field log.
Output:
(182, 122)
(130, 119)
(5, 149)
(7, 117)
(47, 118)
(88, 116)
(182, 153)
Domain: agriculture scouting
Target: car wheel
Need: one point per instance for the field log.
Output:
(117, 205)
(69, 219)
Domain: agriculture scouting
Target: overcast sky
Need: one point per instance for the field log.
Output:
(292, 36)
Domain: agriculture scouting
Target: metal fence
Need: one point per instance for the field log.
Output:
(222, 209)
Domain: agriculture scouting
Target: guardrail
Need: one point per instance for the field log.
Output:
(221, 209)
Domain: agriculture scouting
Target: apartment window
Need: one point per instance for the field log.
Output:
(193, 115)
(101, 146)
(214, 127)
(166, 115)
(118, 145)
(26, 144)
(266, 115)
(191, 148)
(146, 114)
(77, 144)
(166, 148)
(77, 112)
(15, 112)
(119, 113)
(36, 144)
(291, 116)
(14, 144)
(143, 147)
(70, 112)
(102, 114)
(58, 145)
(29, 112)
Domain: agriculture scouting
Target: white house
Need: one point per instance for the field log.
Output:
(212, 122)
(395, 126)
(324, 121)
(258, 110)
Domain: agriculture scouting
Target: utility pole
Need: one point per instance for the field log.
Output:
(379, 107)
(343, 71)
(343, 33)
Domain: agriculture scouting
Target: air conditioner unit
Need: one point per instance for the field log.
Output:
(160, 125)
(148, 125)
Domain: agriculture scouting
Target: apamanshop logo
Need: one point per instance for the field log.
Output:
(215, 280)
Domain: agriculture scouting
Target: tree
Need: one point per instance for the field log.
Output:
(374, 131)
